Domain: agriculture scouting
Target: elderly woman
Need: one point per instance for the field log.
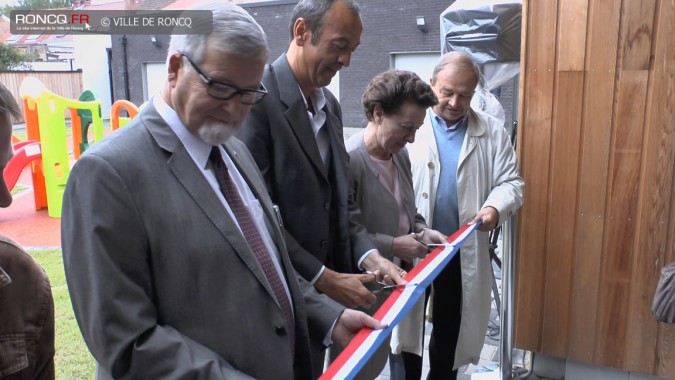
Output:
(395, 103)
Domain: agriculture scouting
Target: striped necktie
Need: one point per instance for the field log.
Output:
(253, 238)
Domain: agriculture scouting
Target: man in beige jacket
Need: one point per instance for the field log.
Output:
(464, 169)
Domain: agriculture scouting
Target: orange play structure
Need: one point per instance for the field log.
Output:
(46, 148)
(116, 121)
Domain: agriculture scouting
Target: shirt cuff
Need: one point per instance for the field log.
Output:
(323, 268)
(364, 257)
(327, 340)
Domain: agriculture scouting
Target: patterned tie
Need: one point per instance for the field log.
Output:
(252, 235)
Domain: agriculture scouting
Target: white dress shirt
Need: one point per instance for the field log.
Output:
(199, 151)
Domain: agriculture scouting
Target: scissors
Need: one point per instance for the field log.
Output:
(381, 287)
(432, 246)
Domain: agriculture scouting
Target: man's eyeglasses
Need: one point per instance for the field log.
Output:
(225, 91)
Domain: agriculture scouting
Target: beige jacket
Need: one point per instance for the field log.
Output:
(487, 175)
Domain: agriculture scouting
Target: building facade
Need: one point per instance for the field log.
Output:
(390, 31)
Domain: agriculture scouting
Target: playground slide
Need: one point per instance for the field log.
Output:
(24, 153)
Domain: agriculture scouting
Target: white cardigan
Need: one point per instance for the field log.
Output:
(487, 175)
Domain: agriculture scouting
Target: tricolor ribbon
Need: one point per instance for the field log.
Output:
(348, 364)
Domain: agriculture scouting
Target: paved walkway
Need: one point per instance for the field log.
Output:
(489, 360)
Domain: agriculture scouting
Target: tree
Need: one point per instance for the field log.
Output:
(12, 58)
(42, 4)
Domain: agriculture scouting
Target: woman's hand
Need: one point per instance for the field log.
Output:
(429, 236)
(408, 248)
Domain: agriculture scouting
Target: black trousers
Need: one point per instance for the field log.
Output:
(446, 314)
(405, 366)
(408, 366)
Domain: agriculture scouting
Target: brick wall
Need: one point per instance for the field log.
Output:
(389, 26)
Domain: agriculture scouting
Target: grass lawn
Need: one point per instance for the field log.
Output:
(73, 360)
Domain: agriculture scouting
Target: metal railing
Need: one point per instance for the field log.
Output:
(506, 309)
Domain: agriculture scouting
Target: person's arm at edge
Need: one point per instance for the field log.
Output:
(506, 195)
(328, 321)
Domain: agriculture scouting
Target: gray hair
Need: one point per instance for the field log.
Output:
(458, 60)
(8, 103)
(235, 32)
(312, 11)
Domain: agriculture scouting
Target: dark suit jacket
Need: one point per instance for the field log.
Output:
(279, 135)
(163, 283)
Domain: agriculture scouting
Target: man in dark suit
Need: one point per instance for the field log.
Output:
(295, 136)
(174, 257)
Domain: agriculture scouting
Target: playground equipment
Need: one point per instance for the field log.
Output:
(46, 149)
(116, 121)
(25, 153)
(33, 134)
(80, 121)
(45, 122)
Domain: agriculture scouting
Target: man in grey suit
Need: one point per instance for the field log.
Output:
(295, 136)
(174, 258)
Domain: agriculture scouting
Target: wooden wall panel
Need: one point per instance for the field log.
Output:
(564, 154)
(561, 218)
(622, 210)
(657, 235)
(597, 152)
(572, 25)
(637, 34)
(615, 306)
(603, 31)
(536, 103)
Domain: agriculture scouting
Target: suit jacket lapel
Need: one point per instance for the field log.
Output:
(296, 113)
(426, 133)
(257, 186)
(404, 182)
(474, 129)
(186, 172)
(184, 169)
(365, 157)
(405, 185)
